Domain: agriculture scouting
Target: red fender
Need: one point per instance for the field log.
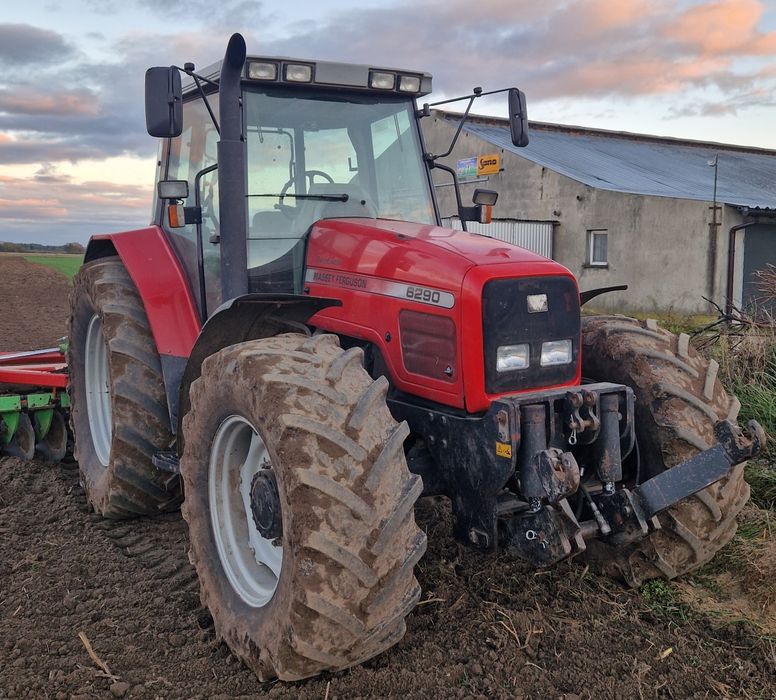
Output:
(159, 278)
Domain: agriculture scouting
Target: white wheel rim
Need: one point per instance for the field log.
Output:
(98, 399)
(251, 562)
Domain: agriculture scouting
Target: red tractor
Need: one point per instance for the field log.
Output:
(297, 351)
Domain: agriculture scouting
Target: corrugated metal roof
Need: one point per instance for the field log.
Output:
(644, 165)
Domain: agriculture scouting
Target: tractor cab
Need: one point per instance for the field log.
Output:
(305, 141)
(321, 140)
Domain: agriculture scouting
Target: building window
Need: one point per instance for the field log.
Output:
(598, 248)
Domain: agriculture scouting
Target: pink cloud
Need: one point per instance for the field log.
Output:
(44, 101)
(59, 201)
(723, 27)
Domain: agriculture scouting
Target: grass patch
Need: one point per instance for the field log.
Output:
(659, 595)
(68, 265)
(676, 323)
(744, 556)
(747, 359)
(761, 477)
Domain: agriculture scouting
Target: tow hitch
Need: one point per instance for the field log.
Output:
(628, 512)
(548, 535)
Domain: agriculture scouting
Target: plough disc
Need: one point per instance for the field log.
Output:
(22, 444)
(53, 446)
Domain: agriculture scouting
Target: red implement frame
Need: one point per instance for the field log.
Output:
(46, 368)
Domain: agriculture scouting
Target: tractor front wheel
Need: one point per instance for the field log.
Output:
(299, 505)
(678, 401)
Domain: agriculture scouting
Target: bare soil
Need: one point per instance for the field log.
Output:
(34, 304)
(487, 626)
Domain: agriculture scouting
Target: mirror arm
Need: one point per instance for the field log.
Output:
(461, 208)
(207, 104)
(191, 72)
(458, 130)
(197, 79)
(477, 92)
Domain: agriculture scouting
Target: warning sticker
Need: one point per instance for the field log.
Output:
(503, 449)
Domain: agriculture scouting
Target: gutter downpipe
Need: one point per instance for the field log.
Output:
(232, 174)
(732, 262)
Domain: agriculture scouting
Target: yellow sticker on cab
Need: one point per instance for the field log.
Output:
(503, 449)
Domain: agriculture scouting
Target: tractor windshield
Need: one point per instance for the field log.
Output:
(324, 155)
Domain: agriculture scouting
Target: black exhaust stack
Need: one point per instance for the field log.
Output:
(231, 174)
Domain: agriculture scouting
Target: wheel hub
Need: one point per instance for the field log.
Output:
(244, 506)
(265, 504)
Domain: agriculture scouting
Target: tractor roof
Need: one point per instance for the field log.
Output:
(292, 72)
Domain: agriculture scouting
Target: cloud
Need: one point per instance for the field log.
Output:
(225, 13)
(48, 172)
(710, 57)
(22, 44)
(553, 49)
(558, 49)
(724, 27)
(47, 204)
(31, 101)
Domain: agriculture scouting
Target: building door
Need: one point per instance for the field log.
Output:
(759, 251)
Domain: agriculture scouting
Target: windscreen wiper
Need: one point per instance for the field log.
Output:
(324, 197)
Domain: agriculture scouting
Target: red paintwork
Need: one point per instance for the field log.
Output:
(43, 368)
(50, 375)
(24, 358)
(162, 285)
(443, 259)
(456, 262)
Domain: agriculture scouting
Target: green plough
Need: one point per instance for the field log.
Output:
(34, 404)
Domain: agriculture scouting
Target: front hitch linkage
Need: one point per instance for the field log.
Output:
(547, 535)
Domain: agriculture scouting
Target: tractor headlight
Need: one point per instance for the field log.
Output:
(409, 83)
(262, 71)
(512, 357)
(556, 352)
(299, 73)
(382, 81)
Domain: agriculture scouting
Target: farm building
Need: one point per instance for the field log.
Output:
(620, 208)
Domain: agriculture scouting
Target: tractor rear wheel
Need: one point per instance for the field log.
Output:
(678, 401)
(299, 505)
(118, 409)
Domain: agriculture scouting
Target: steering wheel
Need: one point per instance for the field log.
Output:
(290, 211)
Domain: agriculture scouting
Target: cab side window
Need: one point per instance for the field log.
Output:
(193, 151)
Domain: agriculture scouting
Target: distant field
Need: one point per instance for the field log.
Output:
(66, 264)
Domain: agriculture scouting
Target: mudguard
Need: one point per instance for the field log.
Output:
(247, 317)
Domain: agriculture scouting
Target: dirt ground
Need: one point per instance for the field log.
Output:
(34, 302)
(487, 626)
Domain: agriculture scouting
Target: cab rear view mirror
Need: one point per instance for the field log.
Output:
(163, 102)
(518, 117)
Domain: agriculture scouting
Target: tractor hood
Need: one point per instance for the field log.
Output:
(414, 253)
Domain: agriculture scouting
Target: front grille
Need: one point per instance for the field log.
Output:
(506, 321)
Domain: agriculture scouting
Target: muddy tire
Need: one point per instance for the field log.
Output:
(678, 401)
(349, 544)
(118, 410)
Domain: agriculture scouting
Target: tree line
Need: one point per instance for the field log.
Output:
(71, 248)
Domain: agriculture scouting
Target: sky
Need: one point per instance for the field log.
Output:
(75, 158)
